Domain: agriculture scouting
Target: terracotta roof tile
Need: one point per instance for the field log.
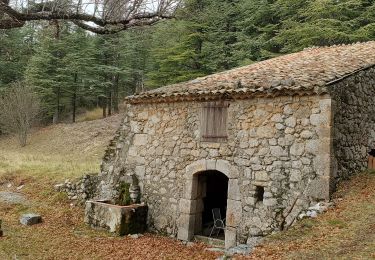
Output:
(309, 70)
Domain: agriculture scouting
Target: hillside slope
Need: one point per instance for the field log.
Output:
(87, 138)
(67, 149)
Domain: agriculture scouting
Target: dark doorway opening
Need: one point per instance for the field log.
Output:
(214, 193)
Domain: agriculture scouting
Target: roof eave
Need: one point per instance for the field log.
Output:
(229, 95)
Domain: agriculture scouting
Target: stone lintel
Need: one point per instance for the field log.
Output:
(219, 165)
(261, 183)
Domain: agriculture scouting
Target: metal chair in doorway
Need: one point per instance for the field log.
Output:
(219, 223)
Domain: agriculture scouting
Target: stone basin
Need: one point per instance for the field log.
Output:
(121, 220)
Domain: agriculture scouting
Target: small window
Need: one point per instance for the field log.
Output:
(259, 193)
(214, 121)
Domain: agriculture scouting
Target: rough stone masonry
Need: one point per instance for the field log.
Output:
(293, 126)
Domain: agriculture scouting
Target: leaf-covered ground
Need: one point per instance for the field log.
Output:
(344, 232)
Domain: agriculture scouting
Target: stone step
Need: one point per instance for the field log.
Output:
(210, 241)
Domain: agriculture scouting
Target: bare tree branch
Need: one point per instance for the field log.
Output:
(10, 23)
(19, 107)
(98, 16)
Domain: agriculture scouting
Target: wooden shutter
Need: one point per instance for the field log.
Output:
(214, 121)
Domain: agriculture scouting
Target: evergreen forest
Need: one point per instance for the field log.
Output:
(73, 70)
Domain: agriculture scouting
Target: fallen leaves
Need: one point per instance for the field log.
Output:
(63, 235)
(342, 232)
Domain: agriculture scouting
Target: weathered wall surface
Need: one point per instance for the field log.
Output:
(282, 144)
(354, 122)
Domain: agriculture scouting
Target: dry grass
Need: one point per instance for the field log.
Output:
(45, 166)
(90, 115)
(59, 151)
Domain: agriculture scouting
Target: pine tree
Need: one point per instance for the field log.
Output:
(135, 59)
(322, 23)
(77, 71)
(44, 72)
(174, 55)
(16, 48)
(109, 71)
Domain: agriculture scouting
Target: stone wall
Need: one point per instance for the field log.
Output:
(354, 123)
(282, 144)
(80, 190)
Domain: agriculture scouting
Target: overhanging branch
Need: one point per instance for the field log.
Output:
(132, 17)
(10, 23)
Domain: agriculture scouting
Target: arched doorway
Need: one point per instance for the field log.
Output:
(212, 194)
(191, 208)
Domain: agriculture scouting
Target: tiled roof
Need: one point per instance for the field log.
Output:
(305, 72)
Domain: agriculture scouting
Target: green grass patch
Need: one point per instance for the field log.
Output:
(337, 223)
(308, 223)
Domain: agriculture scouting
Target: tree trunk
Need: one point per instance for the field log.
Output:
(104, 106)
(56, 116)
(109, 100)
(115, 93)
(109, 95)
(56, 24)
(22, 136)
(104, 111)
(74, 100)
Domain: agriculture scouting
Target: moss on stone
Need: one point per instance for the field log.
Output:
(124, 194)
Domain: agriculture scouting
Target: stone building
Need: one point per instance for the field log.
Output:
(260, 142)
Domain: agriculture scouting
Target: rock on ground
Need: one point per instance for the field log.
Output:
(30, 219)
(135, 236)
(12, 197)
(240, 249)
(254, 241)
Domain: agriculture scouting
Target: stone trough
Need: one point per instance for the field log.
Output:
(121, 220)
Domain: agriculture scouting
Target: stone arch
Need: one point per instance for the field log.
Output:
(189, 207)
(222, 166)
